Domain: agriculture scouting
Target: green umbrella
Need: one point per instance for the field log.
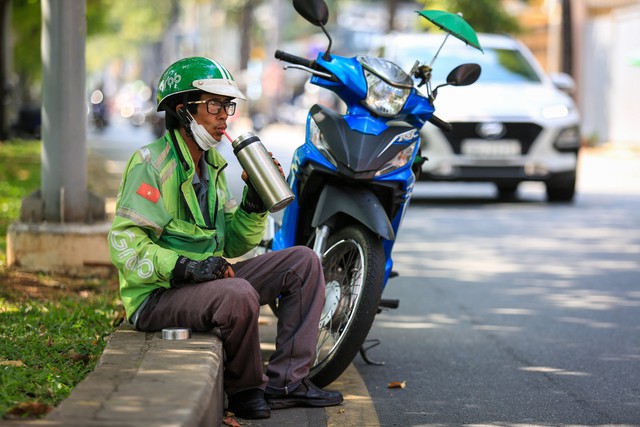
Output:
(453, 24)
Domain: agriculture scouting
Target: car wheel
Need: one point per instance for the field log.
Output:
(507, 191)
(562, 188)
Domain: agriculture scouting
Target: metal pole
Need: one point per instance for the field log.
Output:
(64, 172)
(567, 38)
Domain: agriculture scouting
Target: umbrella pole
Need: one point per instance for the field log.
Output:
(440, 48)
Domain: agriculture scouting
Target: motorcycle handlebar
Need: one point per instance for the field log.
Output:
(293, 59)
(445, 126)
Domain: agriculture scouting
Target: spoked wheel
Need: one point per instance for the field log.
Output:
(354, 273)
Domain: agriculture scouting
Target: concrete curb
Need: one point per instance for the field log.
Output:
(142, 380)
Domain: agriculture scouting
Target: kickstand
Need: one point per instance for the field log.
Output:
(363, 352)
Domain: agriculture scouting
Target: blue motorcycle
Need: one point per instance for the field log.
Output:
(353, 178)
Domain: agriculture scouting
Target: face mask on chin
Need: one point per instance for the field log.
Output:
(203, 138)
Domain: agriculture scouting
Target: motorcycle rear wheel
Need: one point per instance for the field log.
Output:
(353, 265)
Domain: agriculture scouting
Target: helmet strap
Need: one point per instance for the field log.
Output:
(184, 117)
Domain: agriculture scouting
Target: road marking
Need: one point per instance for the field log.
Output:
(357, 408)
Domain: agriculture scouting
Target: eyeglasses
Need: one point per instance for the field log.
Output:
(214, 107)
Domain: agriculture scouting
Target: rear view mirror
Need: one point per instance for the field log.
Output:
(314, 11)
(464, 75)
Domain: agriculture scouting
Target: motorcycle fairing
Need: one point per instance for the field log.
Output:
(361, 152)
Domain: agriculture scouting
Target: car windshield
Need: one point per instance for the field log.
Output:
(498, 65)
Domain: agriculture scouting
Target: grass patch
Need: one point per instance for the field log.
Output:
(52, 330)
(19, 176)
(47, 347)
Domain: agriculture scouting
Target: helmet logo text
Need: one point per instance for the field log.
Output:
(171, 81)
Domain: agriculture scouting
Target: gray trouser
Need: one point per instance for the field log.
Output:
(294, 275)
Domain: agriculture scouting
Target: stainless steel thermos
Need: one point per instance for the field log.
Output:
(263, 173)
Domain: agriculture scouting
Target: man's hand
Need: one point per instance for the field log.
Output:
(229, 274)
(191, 271)
(252, 201)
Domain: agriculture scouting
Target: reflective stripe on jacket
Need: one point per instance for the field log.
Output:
(158, 218)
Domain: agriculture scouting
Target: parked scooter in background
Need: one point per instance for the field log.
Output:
(98, 113)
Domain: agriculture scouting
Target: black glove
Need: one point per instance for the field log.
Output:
(252, 202)
(191, 271)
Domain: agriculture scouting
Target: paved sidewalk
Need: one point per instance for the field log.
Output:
(357, 410)
(142, 380)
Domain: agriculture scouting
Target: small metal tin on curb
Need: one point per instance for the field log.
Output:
(176, 333)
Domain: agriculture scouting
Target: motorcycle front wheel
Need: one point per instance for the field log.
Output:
(353, 266)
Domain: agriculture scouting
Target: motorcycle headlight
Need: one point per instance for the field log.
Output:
(383, 98)
(398, 161)
(317, 139)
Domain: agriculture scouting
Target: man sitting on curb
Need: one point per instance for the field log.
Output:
(176, 220)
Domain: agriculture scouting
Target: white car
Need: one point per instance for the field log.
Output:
(514, 124)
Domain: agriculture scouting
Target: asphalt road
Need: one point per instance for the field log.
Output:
(519, 313)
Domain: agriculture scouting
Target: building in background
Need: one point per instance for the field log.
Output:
(605, 60)
(608, 69)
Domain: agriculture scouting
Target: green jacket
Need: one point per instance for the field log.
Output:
(158, 218)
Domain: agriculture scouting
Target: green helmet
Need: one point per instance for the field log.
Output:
(196, 73)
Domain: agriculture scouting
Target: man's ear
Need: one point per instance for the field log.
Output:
(181, 113)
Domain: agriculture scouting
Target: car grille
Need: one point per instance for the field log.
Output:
(526, 133)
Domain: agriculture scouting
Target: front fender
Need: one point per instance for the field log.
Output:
(358, 203)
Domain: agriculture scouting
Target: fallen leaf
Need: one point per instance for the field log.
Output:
(79, 357)
(16, 363)
(29, 409)
(397, 384)
(341, 411)
(229, 421)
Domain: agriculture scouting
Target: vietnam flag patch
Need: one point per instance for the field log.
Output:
(149, 192)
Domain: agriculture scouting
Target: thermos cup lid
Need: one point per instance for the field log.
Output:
(176, 333)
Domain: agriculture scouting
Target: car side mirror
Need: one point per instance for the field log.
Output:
(564, 82)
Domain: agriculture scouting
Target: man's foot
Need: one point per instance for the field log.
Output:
(306, 394)
(249, 404)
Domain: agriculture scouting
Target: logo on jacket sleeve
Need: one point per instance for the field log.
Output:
(149, 192)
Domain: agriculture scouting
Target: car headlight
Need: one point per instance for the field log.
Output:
(398, 161)
(557, 111)
(383, 98)
(317, 139)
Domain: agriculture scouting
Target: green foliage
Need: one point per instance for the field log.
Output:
(125, 26)
(26, 23)
(46, 348)
(19, 176)
(485, 16)
(115, 29)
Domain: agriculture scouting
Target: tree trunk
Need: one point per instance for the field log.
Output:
(245, 33)
(5, 26)
(392, 6)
